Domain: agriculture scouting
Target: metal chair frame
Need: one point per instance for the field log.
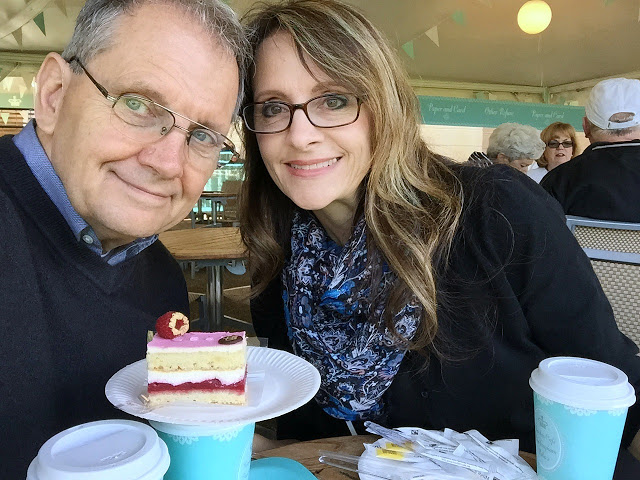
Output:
(601, 254)
(625, 302)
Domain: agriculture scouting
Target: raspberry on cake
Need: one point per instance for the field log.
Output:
(172, 325)
(206, 367)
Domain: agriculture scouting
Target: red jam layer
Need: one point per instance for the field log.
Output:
(206, 386)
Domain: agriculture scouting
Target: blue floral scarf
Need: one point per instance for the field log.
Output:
(335, 324)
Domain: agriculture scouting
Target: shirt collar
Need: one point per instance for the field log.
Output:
(29, 145)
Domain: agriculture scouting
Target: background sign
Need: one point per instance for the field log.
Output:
(12, 100)
(490, 113)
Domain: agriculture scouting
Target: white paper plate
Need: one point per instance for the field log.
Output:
(289, 382)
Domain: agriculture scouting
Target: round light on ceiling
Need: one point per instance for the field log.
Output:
(534, 16)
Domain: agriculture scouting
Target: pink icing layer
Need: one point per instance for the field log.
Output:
(193, 340)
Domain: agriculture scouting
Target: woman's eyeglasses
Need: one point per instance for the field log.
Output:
(326, 111)
(556, 144)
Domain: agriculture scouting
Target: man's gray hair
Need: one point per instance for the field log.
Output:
(516, 142)
(97, 22)
(600, 134)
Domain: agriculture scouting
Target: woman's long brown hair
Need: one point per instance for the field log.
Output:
(412, 201)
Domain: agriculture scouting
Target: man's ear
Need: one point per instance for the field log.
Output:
(586, 127)
(52, 82)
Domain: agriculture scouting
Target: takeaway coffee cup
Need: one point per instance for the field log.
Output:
(580, 408)
(205, 452)
(103, 450)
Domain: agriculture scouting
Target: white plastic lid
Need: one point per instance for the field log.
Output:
(102, 450)
(582, 383)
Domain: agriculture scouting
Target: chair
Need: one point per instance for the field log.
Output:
(613, 248)
(201, 298)
(229, 210)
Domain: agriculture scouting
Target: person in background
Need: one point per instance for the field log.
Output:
(129, 125)
(510, 144)
(604, 181)
(424, 291)
(561, 146)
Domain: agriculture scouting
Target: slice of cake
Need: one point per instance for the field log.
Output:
(201, 367)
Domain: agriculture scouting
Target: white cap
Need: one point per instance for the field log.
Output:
(614, 104)
(103, 450)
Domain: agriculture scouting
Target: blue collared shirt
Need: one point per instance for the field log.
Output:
(29, 145)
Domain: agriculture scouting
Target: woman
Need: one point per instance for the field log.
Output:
(425, 292)
(561, 146)
(515, 145)
(510, 144)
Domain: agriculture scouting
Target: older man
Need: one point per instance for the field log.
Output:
(129, 126)
(604, 181)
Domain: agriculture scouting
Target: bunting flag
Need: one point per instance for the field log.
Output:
(22, 89)
(5, 117)
(61, 5)
(459, 17)
(17, 34)
(432, 33)
(39, 21)
(408, 49)
(14, 24)
(25, 115)
(28, 79)
(7, 83)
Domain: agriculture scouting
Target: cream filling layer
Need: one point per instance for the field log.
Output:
(228, 377)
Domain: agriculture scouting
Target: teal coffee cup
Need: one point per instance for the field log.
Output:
(580, 408)
(102, 450)
(207, 452)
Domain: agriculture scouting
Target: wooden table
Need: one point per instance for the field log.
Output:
(307, 454)
(213, 248)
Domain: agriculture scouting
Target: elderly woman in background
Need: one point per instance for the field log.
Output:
(515, 145)
(425, 292)
(561, 146)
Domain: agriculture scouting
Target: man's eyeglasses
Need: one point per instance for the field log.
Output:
(146, 121)
(556, 144)
(326, 111)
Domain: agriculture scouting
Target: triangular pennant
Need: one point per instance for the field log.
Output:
(459, 17)
(432, 33)
(28, 79)
(39, 21)
(408, 48)
(8, 83)
(22, 90)
(17, 34)
(61, 5)
(25, 115)
(5, 117)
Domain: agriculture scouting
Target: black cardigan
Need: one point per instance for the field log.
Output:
(69, 320)
(517, 289)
